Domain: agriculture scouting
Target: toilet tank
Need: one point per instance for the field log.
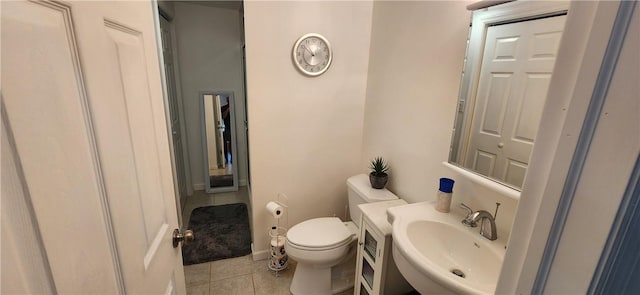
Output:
(360, 192)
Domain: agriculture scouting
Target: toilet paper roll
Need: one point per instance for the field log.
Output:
(277, 247)
(278, 242)
(275, 209)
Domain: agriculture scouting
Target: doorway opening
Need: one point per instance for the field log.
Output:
(203, 58)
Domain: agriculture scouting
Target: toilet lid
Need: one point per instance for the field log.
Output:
(324, 232)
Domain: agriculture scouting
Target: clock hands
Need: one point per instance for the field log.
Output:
(311, 54)
(306, 48)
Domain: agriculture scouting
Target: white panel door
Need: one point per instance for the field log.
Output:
(516, 69)
(82, 99)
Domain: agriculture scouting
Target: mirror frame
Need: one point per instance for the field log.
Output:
(234, 146)
(481, 20)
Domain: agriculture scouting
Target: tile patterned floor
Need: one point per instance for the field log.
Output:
(234, 276)
(239, 276)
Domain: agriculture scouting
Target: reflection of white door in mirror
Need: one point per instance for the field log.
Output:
(219, 141)
(212, 138)
(516, 69)
(221, 128)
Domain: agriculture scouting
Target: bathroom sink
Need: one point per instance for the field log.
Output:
(437, 254)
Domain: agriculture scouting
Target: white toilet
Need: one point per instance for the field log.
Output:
(325, 247)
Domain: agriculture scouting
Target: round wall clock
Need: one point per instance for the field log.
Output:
(312, 54)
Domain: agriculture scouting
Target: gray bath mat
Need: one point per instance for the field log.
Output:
(220, 232)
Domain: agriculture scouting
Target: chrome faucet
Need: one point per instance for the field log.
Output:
(483, 216)
(467, 221)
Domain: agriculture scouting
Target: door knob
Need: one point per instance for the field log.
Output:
(500, 145)
(187, 236)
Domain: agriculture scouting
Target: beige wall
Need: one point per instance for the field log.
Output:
(308, 135)
(416, 60)
(305, 133)
(209, 41)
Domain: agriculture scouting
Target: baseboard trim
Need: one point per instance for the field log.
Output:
(200, 186)
(259, 255)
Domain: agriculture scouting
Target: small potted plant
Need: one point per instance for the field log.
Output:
(378, 176)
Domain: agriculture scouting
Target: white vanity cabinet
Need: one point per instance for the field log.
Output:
(376, 273)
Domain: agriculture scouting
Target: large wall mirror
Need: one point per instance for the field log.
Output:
(510, 59)
(219, 141)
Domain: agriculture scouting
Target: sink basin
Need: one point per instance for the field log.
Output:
(437, 254)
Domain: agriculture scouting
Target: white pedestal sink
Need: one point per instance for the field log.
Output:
(437, 254)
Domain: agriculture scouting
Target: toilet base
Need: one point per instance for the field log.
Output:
(309, 280)
(343, 275)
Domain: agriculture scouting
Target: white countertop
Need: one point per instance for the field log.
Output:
(377, 213)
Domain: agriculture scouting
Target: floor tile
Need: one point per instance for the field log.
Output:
(240, 276)
(240, 196)
(347, 292)
(261, 265)
(201, 289)
(197, 274)
(227, 268)
(228, 199)
(240, 285)
(265, 281)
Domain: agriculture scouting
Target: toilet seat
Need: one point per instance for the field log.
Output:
(319, 234)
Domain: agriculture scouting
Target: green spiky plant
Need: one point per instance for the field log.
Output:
(378, 176)
(378, 167)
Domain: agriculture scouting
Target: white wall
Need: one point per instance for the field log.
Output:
(416, 60)
(209, 41)
(305, 133)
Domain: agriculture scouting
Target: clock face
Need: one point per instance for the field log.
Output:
(312, 54)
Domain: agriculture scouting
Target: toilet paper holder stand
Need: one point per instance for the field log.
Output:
(278, 258)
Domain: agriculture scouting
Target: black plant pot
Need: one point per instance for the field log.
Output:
(378, 181)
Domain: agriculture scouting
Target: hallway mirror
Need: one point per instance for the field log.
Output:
(219, 141)
(508, 67)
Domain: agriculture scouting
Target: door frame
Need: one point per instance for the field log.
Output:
(165, 93)
(580, 57)
(481, 21)
(606, 96)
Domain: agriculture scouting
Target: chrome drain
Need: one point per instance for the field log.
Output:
(458, 272)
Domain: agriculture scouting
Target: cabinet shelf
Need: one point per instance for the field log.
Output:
(370, 245)
(375, 271)
(367, 273)
(364, 289)
(369, 260)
